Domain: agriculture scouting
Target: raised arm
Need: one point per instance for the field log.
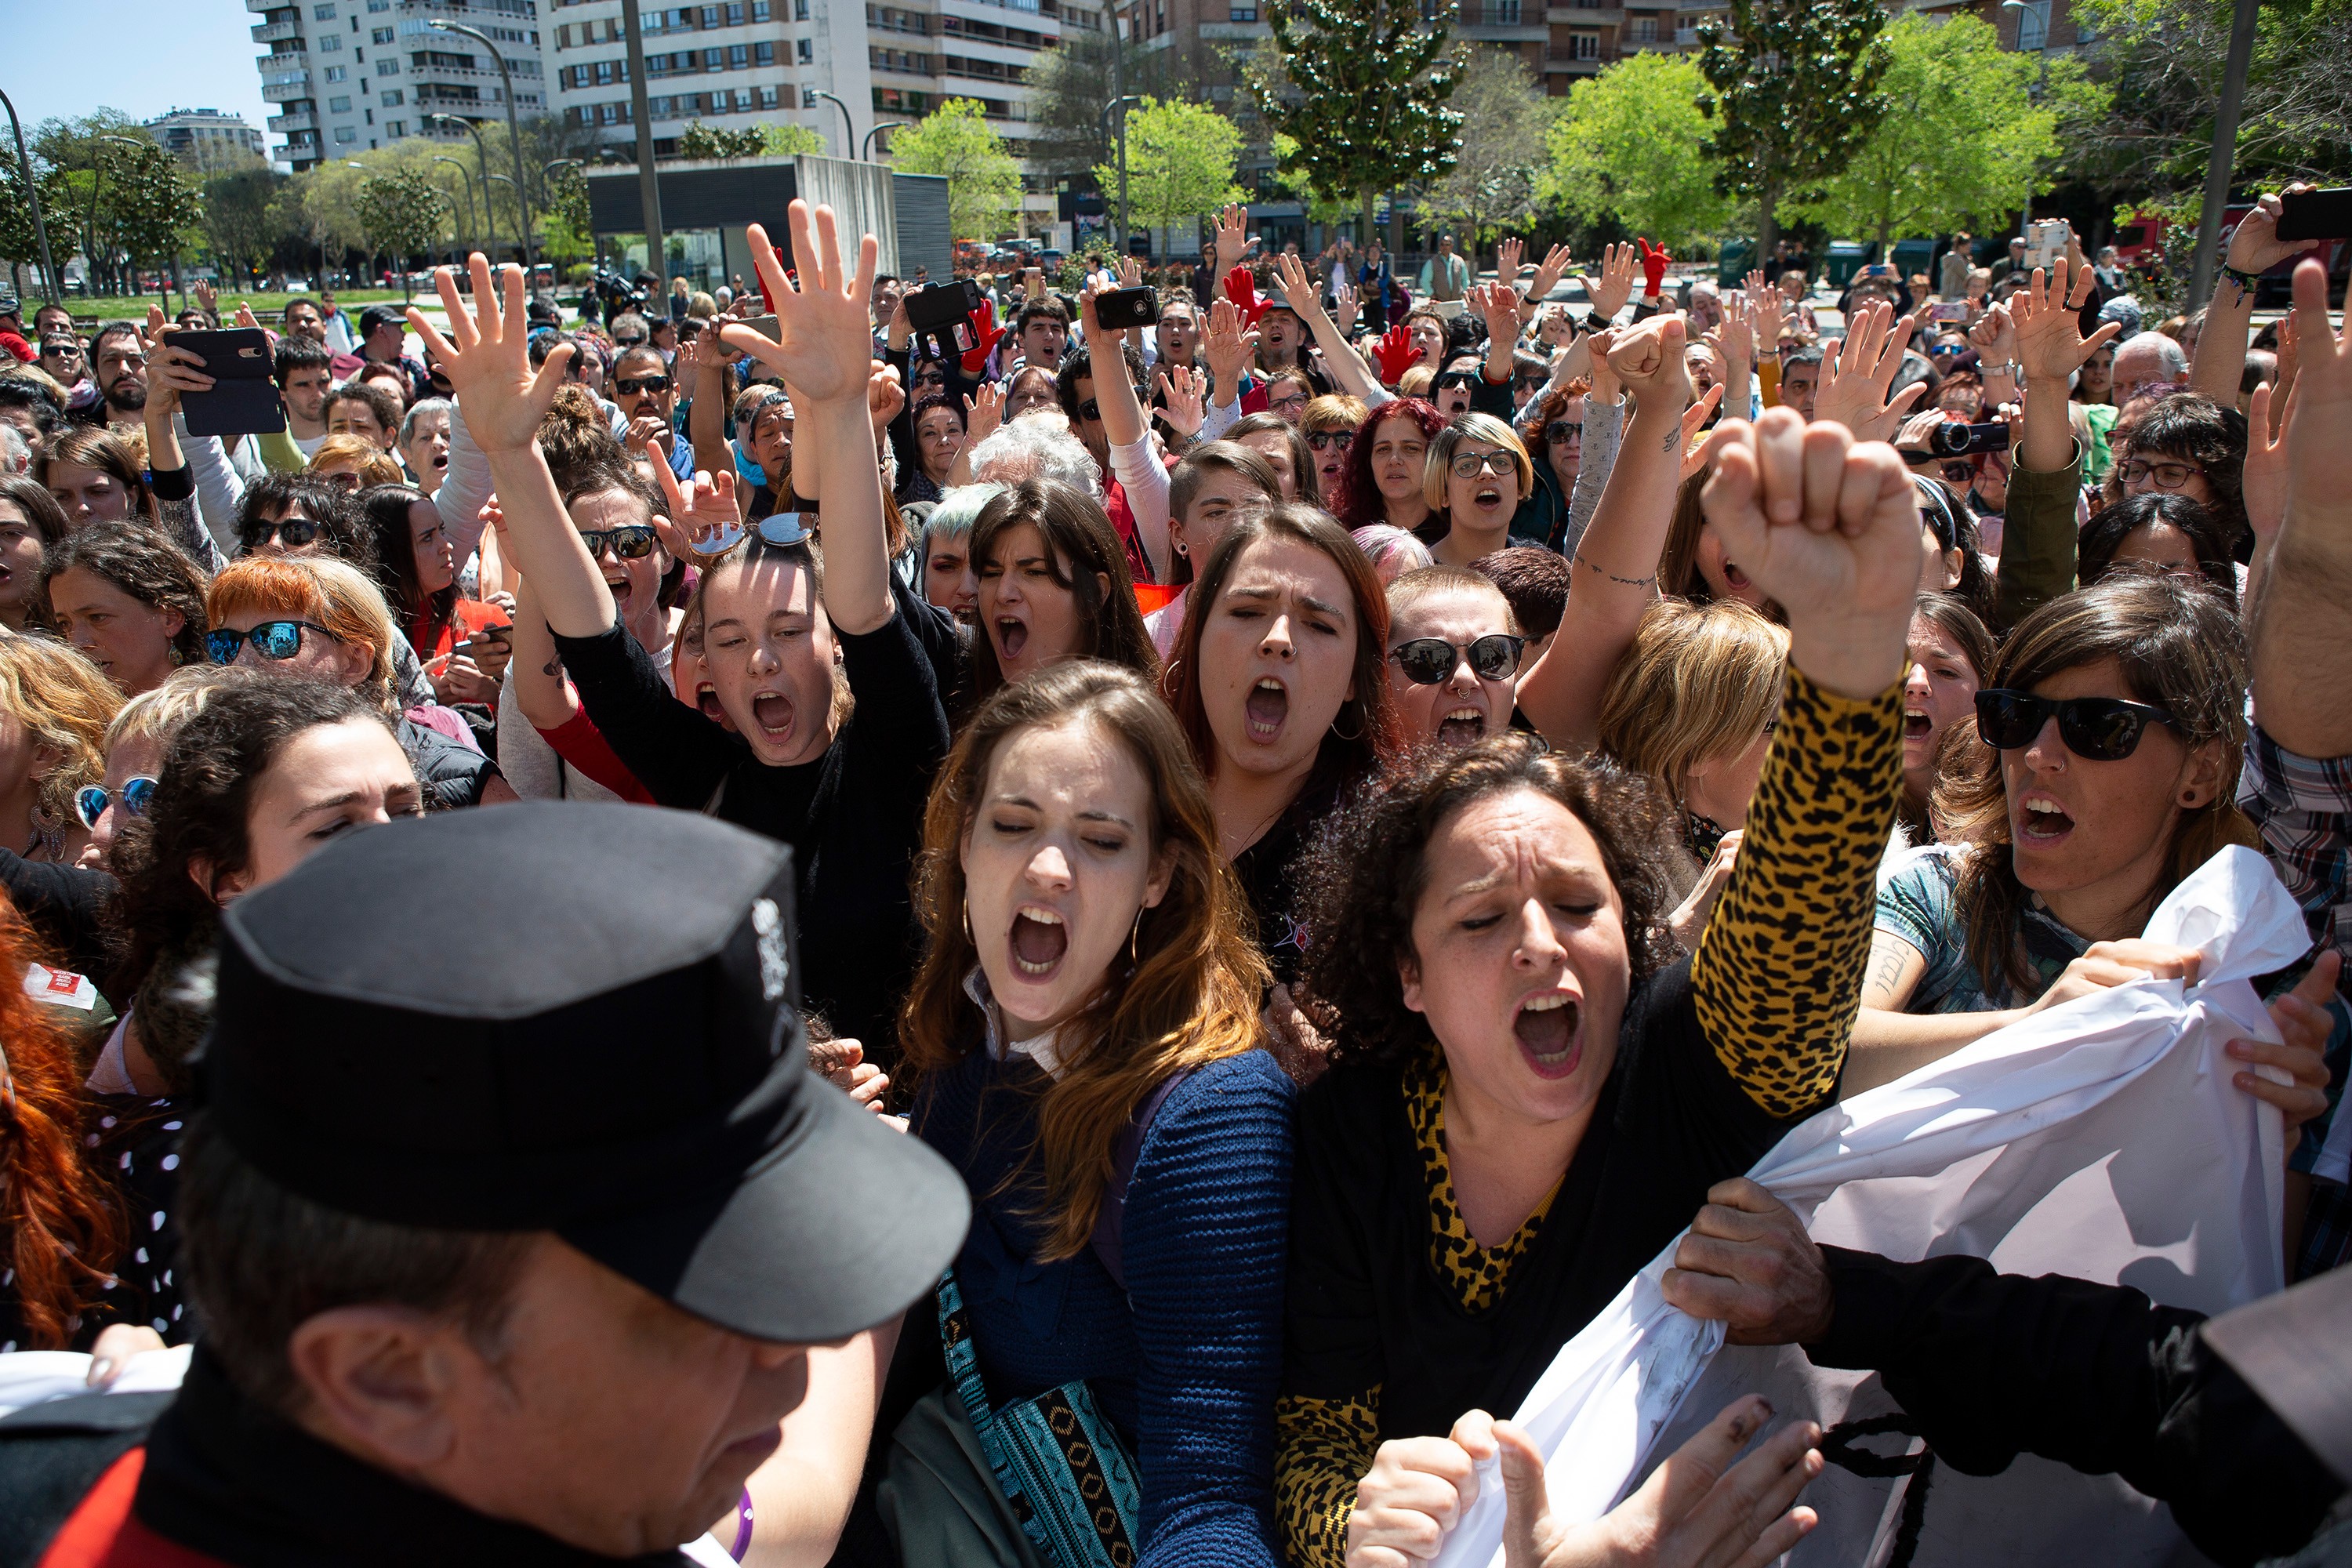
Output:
(825, 351)
(706, 414)
(1831, 528)
(1128, 431)
(2254, 247)
(2037, 545)
(1346, 365)
(2302, 623)
(1615, 567)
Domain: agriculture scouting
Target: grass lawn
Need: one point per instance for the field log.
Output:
(266, 304)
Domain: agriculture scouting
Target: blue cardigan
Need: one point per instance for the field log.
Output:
(1186, 1362)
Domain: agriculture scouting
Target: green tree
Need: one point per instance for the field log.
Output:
(1631, 147)
(149, 209)
(1795, 86)
(1495, 181)
(956, 141)
(242, 222)
(1179, 162)
(1362, 87)
(17, 242)
(789, 140)
(1065, 134)
(701, 140)
(400, 214)
(563, 232)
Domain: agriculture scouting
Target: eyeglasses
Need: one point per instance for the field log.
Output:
(1321, 439)
(60, 351)
(1563, 430)
(273, 640)
(1296, 400)
(294, 533)
(1957, 473)
(631, 542)
(2099, 729)
(1426, 661)
(1530, 383)
(1942, 350)
(2164, 476)
(780, 530)
(633, 384)
(627, 343)
(1470, 465)
(90, 801)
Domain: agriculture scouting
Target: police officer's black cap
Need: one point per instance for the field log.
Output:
(582, 1019)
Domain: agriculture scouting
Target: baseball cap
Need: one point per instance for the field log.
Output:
(610, 1048)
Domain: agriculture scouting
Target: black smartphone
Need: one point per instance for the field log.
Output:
(940, 307)
(2316, 215)
(1965, 441)
(1123, 307)
(243, 400)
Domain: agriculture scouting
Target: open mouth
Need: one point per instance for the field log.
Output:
(2043, 821)
(1488, 498)
(1266, 707)
(773, 712)
(1547, 1030)
(1039, 940)
(440, 459)
(706, 702)
(1463, 727)
(1733, 575)
(620, 589)
(1916, 724)
(1012, 636)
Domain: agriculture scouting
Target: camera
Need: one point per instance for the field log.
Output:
(1967, 440)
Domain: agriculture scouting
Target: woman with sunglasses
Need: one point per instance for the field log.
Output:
(320, 619)
(1552, 431)
(54, 711)
(128, 599)
(2118, 716)
(1328, 426)
(790, 638)
(1478, 478)
(1452, 656)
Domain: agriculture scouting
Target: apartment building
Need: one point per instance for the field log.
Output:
(351, 75)
(205, 138)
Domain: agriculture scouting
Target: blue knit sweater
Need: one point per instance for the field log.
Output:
(1186, 1361)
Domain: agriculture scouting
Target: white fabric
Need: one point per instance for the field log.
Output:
(1040, 1048)
(2102, 1139)
(36, 1377)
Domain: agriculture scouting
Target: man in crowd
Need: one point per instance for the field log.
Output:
(647, 395)
(1952, 274)
(337, 325)
(383, 340)
(118, 358)
(302, 321)
(304, 372)
(2145, 361)
(371, 413)
(1041, 332)
(1445, 278)
(53, 319)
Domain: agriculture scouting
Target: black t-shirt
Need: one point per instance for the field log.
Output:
(66, 907)
(854, 817)
(1368, 1307)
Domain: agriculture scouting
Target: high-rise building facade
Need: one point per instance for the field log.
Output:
(351, 75)
(205, 137)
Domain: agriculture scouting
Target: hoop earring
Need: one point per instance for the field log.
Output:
(1360, 725)
(1134, 938)
(970, 940)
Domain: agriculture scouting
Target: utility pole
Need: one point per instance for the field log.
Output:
(2225, 148)
(464, 184)
(649, 181)
(514, 136)
(482, 166)
(33, 199)
(1119, 107)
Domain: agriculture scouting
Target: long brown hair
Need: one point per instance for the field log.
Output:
(2179, 647)
(1351, 752)
(1193, 995)
(1081, 545)
(60, 1229)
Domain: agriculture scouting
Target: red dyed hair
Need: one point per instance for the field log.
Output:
(61, 1225)
(1358, 501)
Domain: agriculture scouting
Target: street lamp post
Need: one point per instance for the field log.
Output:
(33, 198)
(514, 134)
(865, 147)
(1118, 106)
(482, 162)
(464, 184)
(809, 95)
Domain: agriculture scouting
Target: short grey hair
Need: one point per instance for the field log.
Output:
(2169, 353)
(1039, 445)
(16, 457)
(958, 510)
(429, 406)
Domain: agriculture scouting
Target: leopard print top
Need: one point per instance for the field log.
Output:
(1777, 984)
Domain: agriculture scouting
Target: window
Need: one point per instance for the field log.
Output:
(1645, 29)
(369, 115)
(1502, 13)
(800, 10)
(759, 10)
(336, 73)
(714, 59)
(735, 13)
(322, 12)
(739, 56)
(339, 105)
(805, 51)
(710, 15)
(1245, 13)
(764, 54)
(767, 98)
(379, 35)
(345, 135)
(379, 5)
(396, 127)
(387, 68)
(1584, 46)
(390, 100)
(331, 41)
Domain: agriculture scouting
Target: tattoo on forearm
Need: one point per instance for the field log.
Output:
(1629, 582)
(1674, 439)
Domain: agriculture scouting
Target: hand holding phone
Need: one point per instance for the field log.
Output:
(243, 400)
(2317, 214)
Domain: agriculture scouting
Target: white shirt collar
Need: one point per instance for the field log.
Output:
(1039, 1048)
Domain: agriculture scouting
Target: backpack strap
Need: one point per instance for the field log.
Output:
(1110, 1220)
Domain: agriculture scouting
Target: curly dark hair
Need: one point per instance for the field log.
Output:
(1363, 877)
(341, 530)
(143, 562)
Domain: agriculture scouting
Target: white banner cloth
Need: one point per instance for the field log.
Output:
(2102, 1139)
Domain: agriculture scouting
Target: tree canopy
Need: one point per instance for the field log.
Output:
(1794, 86)
(1631, 147)
(1361, 87)
(955, 141)
(1496, 178)
(1179, 162)
(401, 216)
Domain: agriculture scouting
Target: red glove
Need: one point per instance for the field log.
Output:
(768, 297)
(1653, 268)
(1241, 288)
(1396, 353)
(984, 332)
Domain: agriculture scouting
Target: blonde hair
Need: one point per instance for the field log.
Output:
(335, 594)
(1477, 427)
(1700, 680)
(1414, 381)
(156, 714)
(1333, 411)
(375, 466)
(1411, 587)
(64, 704)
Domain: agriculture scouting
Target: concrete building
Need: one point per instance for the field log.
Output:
(205, 137)
(351, 75)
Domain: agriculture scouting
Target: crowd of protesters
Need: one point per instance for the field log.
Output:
(1324, 831)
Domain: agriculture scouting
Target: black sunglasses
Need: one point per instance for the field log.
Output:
(273, 640)
(1320, 439)
(1090, 409)
(294, 533)
(636, 383)
(2100, 729)
(1563, 430)
(631, 542)
(1426, 661)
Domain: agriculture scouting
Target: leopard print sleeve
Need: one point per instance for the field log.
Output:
(1777, 979)
(1322, 1448)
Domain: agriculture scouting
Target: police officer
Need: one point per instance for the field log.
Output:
(509, 1236)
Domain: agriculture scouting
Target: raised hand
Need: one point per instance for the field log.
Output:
(1654, 261)
(2265, 477)
(1227, 343)
(1606, 388)
(1616, 285)
(1830, 528)
(1699, 1509)
(984, 333)
(1738, 335)
(1856, 373)
(1695, 420)
(207, 298)
(1510, 257)
(1183, 396)
(2254, 244)
(1549, 272)
(1343, 313)
(1396, 353)
(1298, 289)
(823, 346)
(2319, 425)
(886, 397)
(1648, 358)
(1758, 280)
(1995, 336)
(485, 357)
(245, 318)
(1233, 237)
(1499, 305)
(2047, 315)
(1241, 288)
(703, 519)
(983, 411)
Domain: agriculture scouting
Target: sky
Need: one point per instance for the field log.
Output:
(141, 56)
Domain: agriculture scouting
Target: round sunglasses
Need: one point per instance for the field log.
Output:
(90, 801)
(1426, 661)
(2098, 729)
(272, 640)
(780, 530)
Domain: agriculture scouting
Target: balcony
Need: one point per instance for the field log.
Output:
(286, 124)
(1586, 15)
(287, 91)
(282, 64)
(276, 32)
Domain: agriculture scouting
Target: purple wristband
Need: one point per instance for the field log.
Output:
(742, 1527)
